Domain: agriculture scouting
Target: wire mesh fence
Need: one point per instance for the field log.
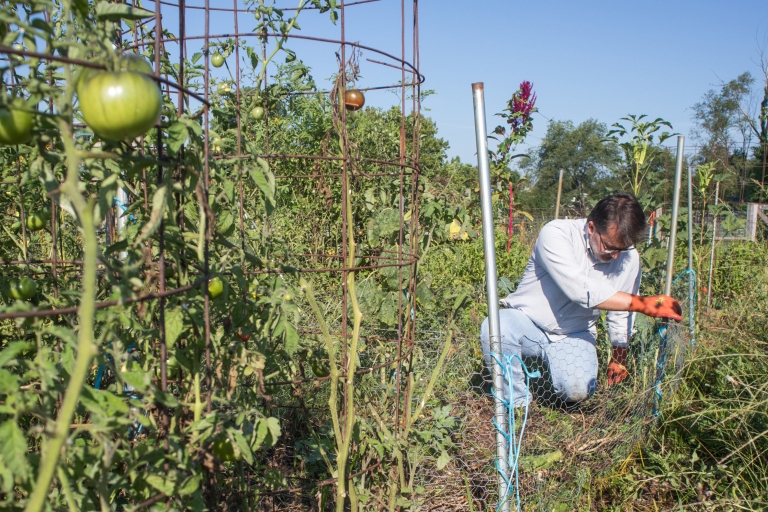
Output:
(563, 445)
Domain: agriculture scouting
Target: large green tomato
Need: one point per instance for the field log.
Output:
(224, 450)
(215, 288)
(15, 125)
(120, 105)
(217, 60)
(23, 289)
(127, 62)
(35, 221)
(133, 62)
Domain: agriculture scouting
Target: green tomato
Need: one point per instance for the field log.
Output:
(224, 88)
(127, 62)
(23, 289)
(133, 62)
(217, 60)
(319, 368)
(257, 113)
(224, 450)
(215, 288)
(35, 221)
(15, 125)
(120, 105)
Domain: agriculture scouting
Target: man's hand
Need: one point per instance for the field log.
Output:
(617, 372)
(657, 306)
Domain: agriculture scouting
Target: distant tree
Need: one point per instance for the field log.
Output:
(589, 164)
(722, 126)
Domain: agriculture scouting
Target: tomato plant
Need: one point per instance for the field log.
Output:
(119, 105)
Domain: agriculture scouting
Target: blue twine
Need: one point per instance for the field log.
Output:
(120, 205)
(662, 331)
(514, 441)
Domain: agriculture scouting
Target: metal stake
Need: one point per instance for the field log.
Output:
(559, 191)
(675, 208)
(484, 172)
(712, 254)
(691, 284)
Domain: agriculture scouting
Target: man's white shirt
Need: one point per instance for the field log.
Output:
(564, 281)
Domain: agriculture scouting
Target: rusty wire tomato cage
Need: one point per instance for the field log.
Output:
(406, 165)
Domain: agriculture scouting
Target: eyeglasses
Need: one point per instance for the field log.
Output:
(612, 251)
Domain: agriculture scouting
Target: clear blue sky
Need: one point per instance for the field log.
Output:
(587, 58)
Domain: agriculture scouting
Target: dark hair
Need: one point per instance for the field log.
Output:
(625, 212)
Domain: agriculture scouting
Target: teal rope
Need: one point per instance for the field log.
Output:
(662, 331)
(514, 441)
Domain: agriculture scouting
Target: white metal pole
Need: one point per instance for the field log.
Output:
(712, 254)
(675, 208)
(559, 193)
(484, 172)
(691, 284)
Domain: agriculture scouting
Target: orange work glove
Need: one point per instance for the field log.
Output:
(658, 306)
(617, 372)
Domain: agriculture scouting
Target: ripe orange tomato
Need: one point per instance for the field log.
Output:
(354, 100)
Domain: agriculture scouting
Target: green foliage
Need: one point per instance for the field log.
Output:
(587, 160)
(640, 152)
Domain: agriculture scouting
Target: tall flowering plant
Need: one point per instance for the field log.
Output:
(519, 117)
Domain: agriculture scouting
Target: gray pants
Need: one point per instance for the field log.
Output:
(572, 362)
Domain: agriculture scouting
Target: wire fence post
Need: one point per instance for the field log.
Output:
(675, 210)
(559, 193)
(712, 252)
(483, 167)
(691, 279)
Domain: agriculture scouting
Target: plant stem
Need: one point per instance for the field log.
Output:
(357, 317)
(86, 350)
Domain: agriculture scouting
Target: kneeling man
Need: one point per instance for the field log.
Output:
(578, 267)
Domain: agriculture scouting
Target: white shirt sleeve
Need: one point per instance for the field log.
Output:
(555, 251)
(621, 323)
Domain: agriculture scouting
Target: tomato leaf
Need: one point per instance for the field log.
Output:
(13, 349)
(243, 445)
(265, 180)
(291, 338)
(259, 434)
(158, 208)
(8, 382)
(174, 325)
(273, 424)
(13, 448)
(117, 12)
(190, 485)
(443, 460)
(164, 485)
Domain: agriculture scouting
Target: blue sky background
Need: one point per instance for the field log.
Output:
(587, 59)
